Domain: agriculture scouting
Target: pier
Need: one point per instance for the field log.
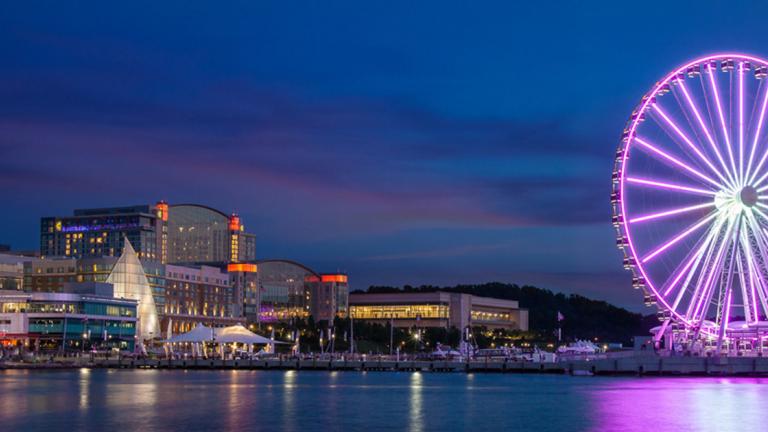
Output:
(638, 365)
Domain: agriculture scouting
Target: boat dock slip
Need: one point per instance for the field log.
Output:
(632, 365)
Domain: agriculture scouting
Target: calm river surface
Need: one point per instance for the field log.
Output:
(149, 400)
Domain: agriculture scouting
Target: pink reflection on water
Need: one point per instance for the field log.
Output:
(679, 404)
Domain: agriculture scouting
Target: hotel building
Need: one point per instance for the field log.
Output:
(101, 232)
(195, 295)
(202, 235)
(438, 309)
(181, 233)
(200, 264)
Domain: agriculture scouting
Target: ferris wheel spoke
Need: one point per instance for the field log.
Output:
(756, 257)
(666, 156)
(700, 120)
(690, 143)
(751, 175)
(672, 212)
(711, 72)
(749, 282)
(693, 259)
(704, 290)
(746, 291)
(679, 237)
(668, 186)
(760, 180)
(707, 252)
(741, 120)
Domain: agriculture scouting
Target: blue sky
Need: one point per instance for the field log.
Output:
(404, 142)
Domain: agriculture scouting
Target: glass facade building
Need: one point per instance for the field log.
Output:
(199, 234)
(285, 288)
(438, 309)
(130, 282)
(56, 321)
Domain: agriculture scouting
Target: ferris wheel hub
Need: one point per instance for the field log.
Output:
(748, 196)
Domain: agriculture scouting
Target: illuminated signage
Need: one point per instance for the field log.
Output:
(243, 268)
(234, 223)
(98, 227)
(162, 211)
(338, 278)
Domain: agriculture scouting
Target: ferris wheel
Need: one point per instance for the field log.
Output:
(690, 197)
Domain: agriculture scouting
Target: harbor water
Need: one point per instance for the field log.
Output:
(149, 400)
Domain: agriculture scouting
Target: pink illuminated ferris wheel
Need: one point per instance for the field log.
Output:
(690, 198)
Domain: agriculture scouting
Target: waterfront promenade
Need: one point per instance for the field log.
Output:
(623, 364)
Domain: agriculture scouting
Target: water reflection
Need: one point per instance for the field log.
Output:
(416, 409)
(680, 404)
(304, 401)
(84, 384)
(289, 399)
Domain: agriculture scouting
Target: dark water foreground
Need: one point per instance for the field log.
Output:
(148, 400)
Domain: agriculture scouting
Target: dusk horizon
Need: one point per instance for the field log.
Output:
(361, 141)
(399, 216)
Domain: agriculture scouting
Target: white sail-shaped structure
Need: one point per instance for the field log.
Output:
(130, 282)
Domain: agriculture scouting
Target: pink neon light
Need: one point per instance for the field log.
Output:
(712, 72)
(708, 284)
(671, 212)
(694, 258)
(754, 293)
(674, 160)
(760, 180)
(741, 120)
(631, 132)
(757, 136)
(670, 186)
(681, 273)
(695, 110)
(681, 236)
(727, 317)
(688, 141)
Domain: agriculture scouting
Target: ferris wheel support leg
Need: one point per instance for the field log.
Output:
(660, 334)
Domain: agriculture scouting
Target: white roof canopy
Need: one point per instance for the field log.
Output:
(232, 334)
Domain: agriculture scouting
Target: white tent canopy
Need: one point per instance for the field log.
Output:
(200, 333)
(240, 334)
(232, 334)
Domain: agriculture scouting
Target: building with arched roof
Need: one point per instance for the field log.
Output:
(201, 234)
(281, 290)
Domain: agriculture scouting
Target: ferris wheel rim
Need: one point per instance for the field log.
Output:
(627, 141)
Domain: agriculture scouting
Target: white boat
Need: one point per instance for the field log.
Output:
(579, 347)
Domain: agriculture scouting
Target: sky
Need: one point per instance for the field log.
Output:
(402, 142)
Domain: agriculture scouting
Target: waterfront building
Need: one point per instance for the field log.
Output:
(195, 295)
(202, 235)
(101, 232)
(54, 321)
(49, 275)
(130, 282)
(285, 290)
(12, 271)
(246, 297)
(330, 296)
(437, 309)
(276, 290)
